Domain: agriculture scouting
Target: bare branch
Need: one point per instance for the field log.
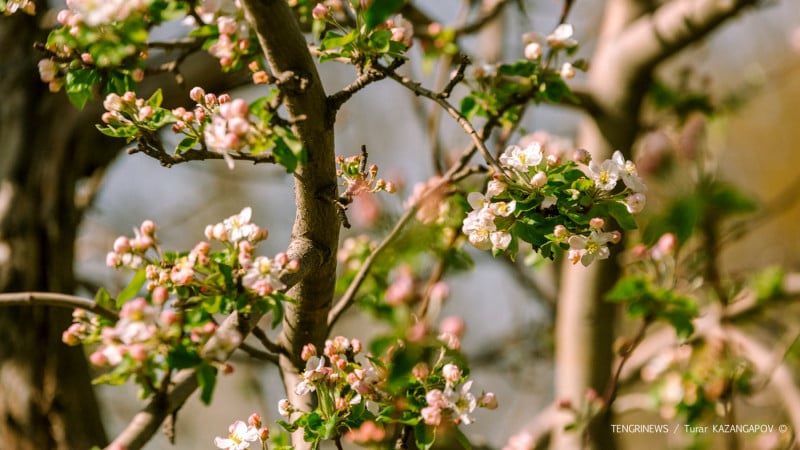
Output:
(336, 100)
(439, 98)
(154, 149)
(258, 354)
(53, 299)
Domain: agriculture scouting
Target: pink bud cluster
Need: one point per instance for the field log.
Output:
(126, 109)
(358, 180)
(132, 252)
(234, 40)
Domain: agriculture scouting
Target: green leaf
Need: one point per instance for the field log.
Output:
(155, 99)
(424, 436)
(284, 156)
(206, 379)
(128, 131)
(767, 283)
(103, 298)
(380, 10)
(186, 143)
(335, 40)
(620, 213)
(79, 84)
(132, 288)
(380, 40)
(183, 358)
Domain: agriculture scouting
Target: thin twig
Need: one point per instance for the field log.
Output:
(258, 354)
(450, 109)
(335, 101)
(268, 343)
(60, 300)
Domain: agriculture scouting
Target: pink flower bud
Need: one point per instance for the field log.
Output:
(122, 245)
(320, 11)
(113, 260)
(308, 351)
(168, 317)
(98, 358)
(197, 94)
(263, 434)
(211, 99)
(160, 295)
(148, 227)
(239, 108)
(453, 325)
(137, 352)
(451, 373)
(224, 98)
(560, 232)
(254, 420)
(539, 180)
(356, 345)
(128, 97)
(488, 401)
(597, 223)
(261, 77)
(581, 156)
(293, 266)
(421, 371)
(137, 75)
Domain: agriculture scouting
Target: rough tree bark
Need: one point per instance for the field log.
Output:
(636, 36)
(316, 225)
(46, 396)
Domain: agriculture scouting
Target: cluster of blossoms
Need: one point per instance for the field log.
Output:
(455, 402)
(560, 39)
(155, 333)
(359, 179)
(359, 394)
(95, 13)
(127, 110)
(229, 128)
(241, 435)
(566, 202)
(234, 40)
(389, 38)
(335, 11)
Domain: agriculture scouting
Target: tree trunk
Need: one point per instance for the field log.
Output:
(46, 396)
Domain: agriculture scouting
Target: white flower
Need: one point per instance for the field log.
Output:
(567, 70)
(605, 176)
(629, 174)
(263, 276)
(478, 226)
(503, 209)
(461, 402)
(477, 200)
(495, 187)
(238, 227)
(500, 240)
(521, 159)
(533, 51)
(635, 203)
(239, 437)
(315, 371)
(591, 247)
(561, 37)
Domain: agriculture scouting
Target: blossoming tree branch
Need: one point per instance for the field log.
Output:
(174, 327)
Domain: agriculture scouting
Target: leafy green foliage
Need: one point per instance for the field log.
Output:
(643, 300)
